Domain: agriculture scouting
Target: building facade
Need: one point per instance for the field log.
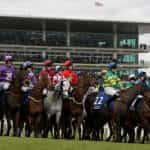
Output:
(90, 44)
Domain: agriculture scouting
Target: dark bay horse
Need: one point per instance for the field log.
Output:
(96, 119)
(13, 102)
(35, 107)
(121, 108)
(114, 116)
(72, 112)
(139, 117)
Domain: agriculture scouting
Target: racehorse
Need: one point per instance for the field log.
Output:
(53, 104)
(13, 102)
(35, 106)
(139, 117)
(72, 112)
(115, 115)
(121, 108)
(96, 119)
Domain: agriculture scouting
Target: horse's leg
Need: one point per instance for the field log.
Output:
(8, 126)
(45, 127)
(138, 135)
(111, 131)
(80, 126)
(27, 130)
(2, 124)
(17, 123)
(125, 132)
(102, 133)
(58, 117)
(28, 127)
(131, 135)
(37, 123)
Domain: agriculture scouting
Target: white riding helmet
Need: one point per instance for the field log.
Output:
(132, 76)
(57, 68)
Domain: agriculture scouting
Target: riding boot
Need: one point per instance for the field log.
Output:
(111, 99)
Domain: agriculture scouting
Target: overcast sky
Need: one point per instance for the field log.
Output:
(137, 10)
(125, 10)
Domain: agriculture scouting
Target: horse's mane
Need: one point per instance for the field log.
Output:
(130, 93)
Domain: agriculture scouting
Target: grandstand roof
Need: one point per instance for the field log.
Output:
(59, 24)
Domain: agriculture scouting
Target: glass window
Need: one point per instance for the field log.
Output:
(86, 39)
(21, 37)
(56, 38)
(128, 59)
(128, 41)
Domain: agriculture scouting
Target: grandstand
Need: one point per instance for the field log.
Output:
(90, 43)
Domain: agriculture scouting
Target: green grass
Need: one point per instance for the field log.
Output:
(11, 143)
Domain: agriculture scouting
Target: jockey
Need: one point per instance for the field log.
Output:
(30, 80)
(58, 77)
(69, 73)
(48, 69)
(7, 73)
(112, 82)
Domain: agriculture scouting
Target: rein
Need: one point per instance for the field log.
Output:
(34, 100)
(74, 101)
(13, 94)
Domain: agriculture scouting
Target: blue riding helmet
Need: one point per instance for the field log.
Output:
(112, 65)
(27, 64)
(141, 73)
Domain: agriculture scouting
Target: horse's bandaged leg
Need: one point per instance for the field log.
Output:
(45, 91)
(25, 88)
(6, 85)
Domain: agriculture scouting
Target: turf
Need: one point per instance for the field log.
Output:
(11, 143)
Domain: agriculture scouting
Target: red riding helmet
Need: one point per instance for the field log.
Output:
(68, 63)
(48, 63)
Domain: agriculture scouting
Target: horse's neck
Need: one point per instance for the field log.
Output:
(129, 95)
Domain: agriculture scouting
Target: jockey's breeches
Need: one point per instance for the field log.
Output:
(111, 91)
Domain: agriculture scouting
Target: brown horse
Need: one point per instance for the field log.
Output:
(73, 107)
(121, 107)
(35, 106)
(13, 102)
(140, 117)
(114, 116)
(96, 119)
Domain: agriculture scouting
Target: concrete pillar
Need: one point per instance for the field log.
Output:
(115, 37)
(44, 31)
(68, 33)
(115, 55)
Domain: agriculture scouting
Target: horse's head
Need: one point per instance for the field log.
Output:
(64, 88)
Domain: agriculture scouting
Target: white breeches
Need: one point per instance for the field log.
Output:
(111, 91)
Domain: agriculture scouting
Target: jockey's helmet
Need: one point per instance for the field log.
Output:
(112, 65)
(141, 73)
(68, 63)
(27, 64)
(48, 62)
(132, 77)
(58, 68)
(8, 58)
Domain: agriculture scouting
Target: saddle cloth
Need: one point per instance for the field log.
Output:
(100, 100)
